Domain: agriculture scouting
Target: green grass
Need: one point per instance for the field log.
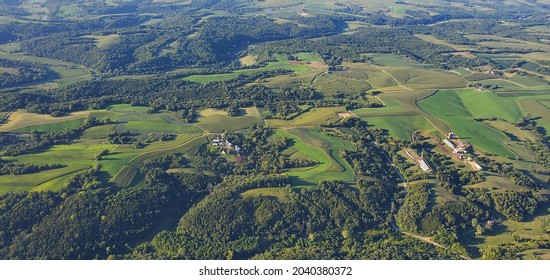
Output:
(216, 121)
(486, 104)
(509, 230)
(449, 107)
(415, 78)
(98, 132)
(527, 81)
(183, 144)
(128, 107)
(76, 157)
(323, 149)
(502, 84)
(313, 117)
(388, 60)
(70, 75)
(152, 125)
(346, 82)
(281, 63)
(537, 109)
(400, 126)
(478, 77)
(23, 119)
(59, 126)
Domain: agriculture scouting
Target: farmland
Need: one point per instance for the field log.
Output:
(313, 117)
(274, 129)
(305, 63)
(216, 121)
(450, 107)
(323, 149)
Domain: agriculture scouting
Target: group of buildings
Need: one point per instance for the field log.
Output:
(221, 142)
(460, 149)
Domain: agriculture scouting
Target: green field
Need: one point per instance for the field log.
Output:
(308, 63)
(416, 78)
(22, 119)
(449, 106)
(313, 117)
(346, 82)
(486, 104)
(401, 126)
(216, 121)
(537, 109)
(323, 149)
(76, 157)
(383, 59)
(527, 81)
(57, 126)
(120, 165)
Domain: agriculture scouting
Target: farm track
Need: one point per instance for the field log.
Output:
(393, 78)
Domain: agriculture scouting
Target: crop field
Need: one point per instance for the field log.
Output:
(530, 66)
(313, 117)
(449, 107)
(415, 78)
(323, 149)
(307, 63)
(119, 166)
(537, 109)
(527, 81)
(486, 104)
(56, 126)
(76, 157)
(478, 77)
(128, 169)
(375, 77)
(216, 121)
(22, 119)
(346, 82)
(383, 59)
(502, 84)
(401, 126)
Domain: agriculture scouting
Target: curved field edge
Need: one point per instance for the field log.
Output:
(322, 148)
